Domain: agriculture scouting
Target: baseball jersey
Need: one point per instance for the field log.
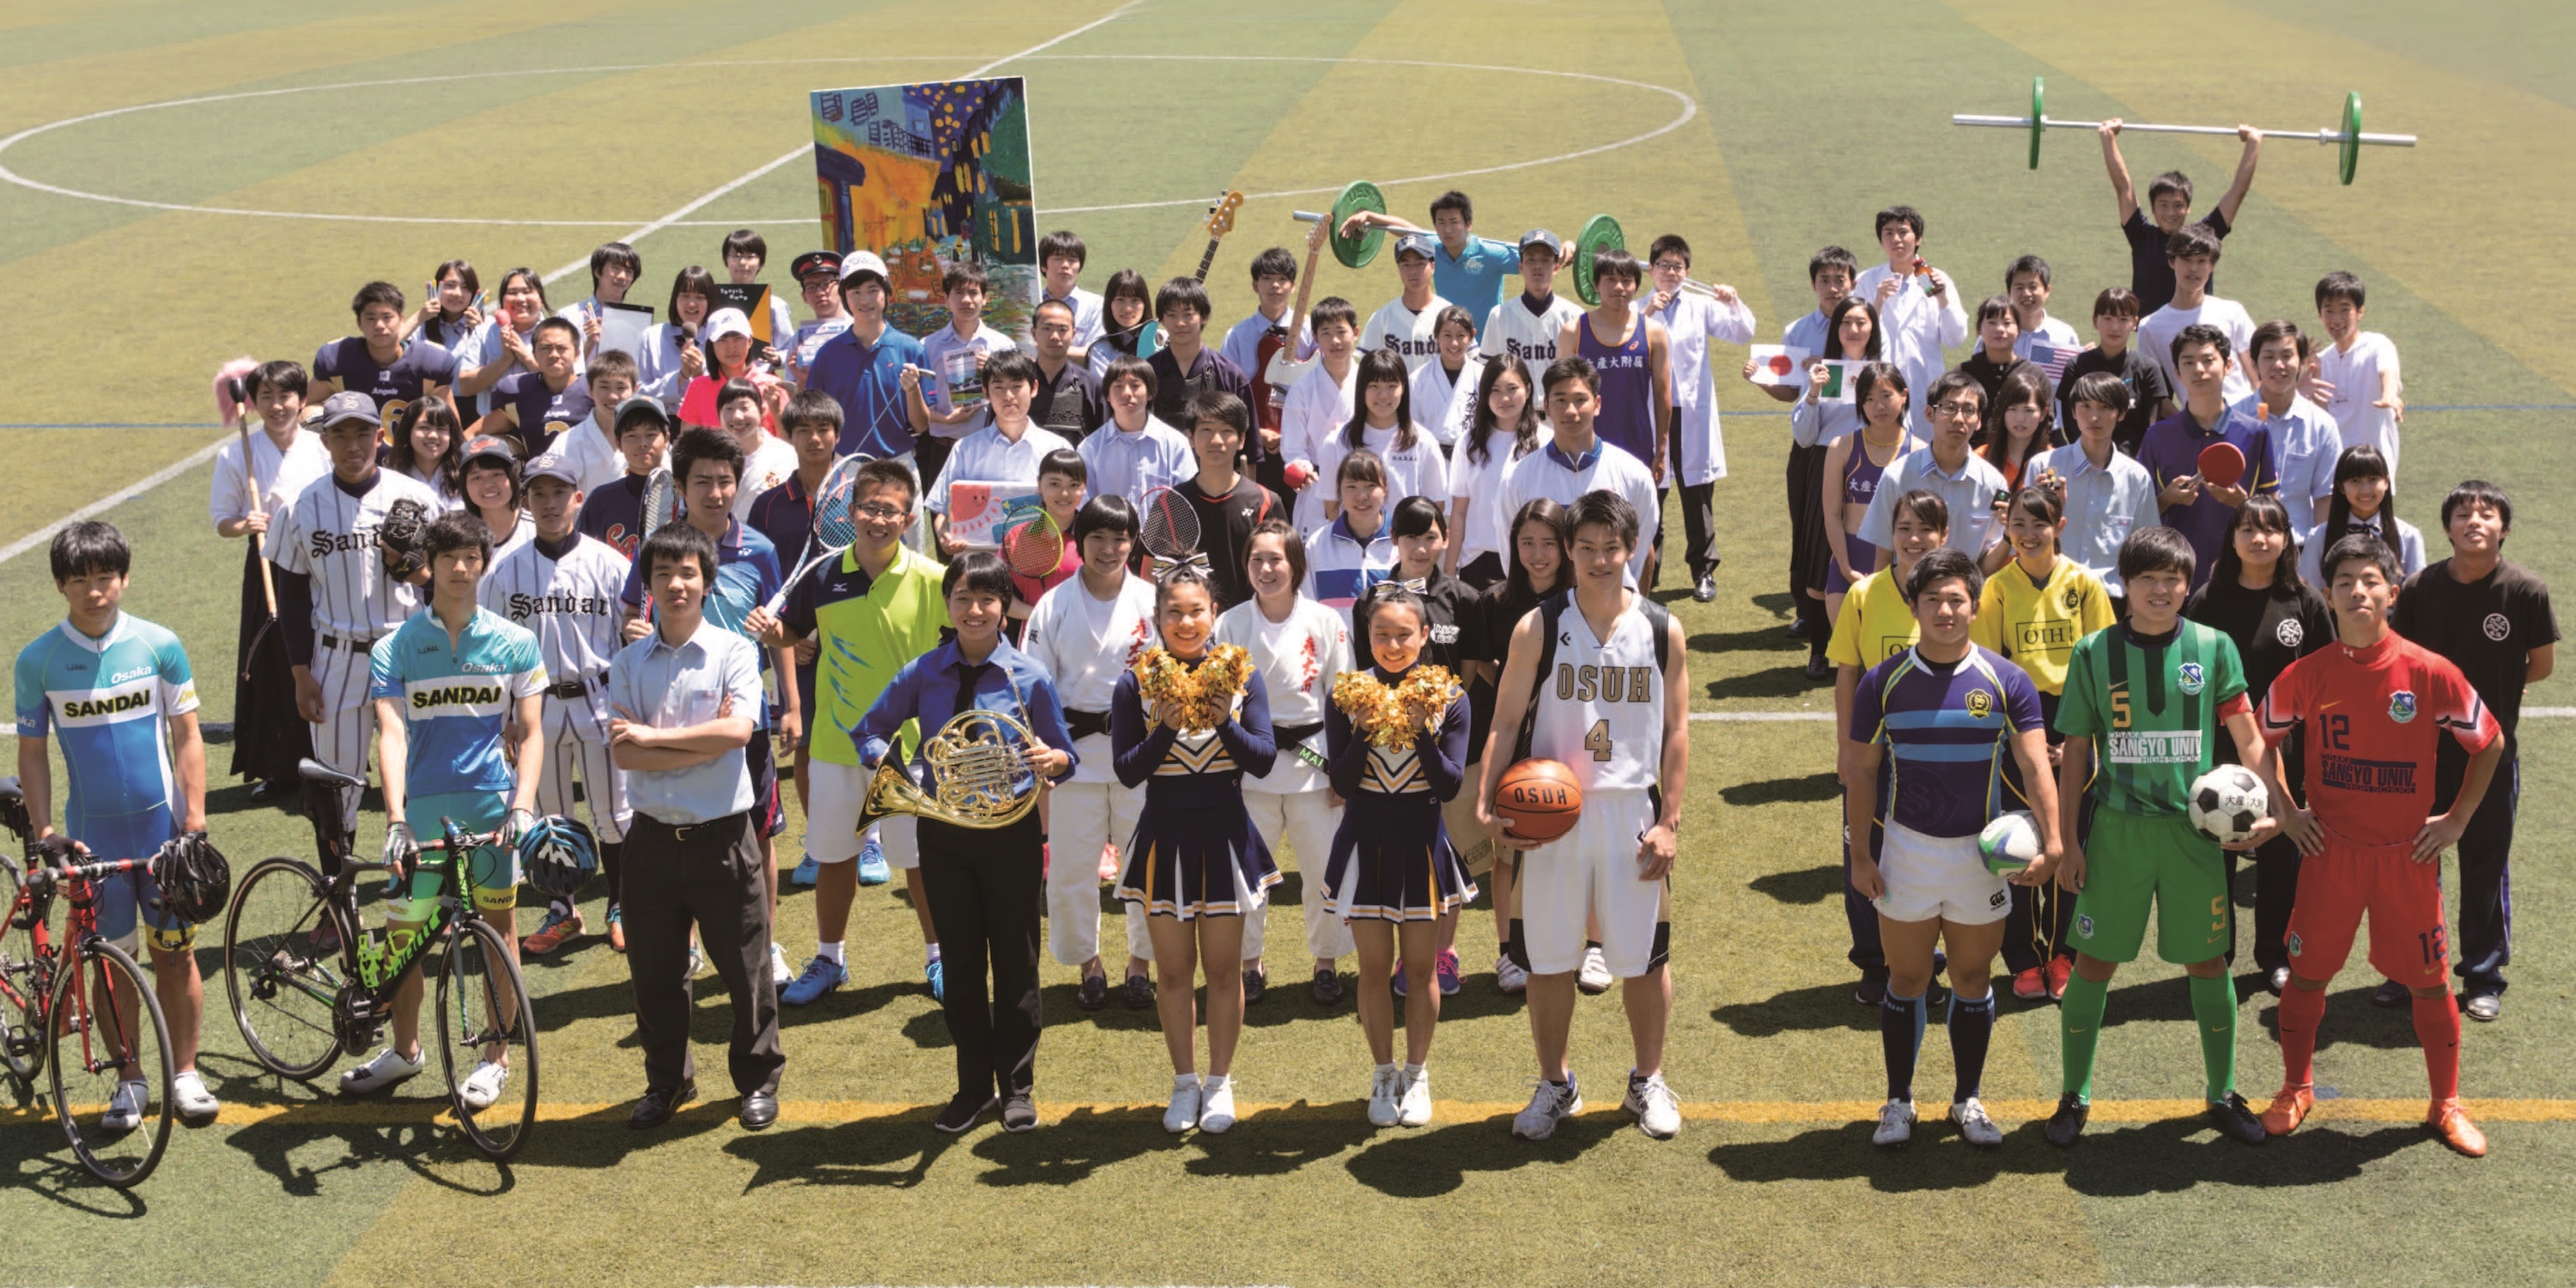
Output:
(1875, 624)
(2378, 713)
(1528, 329)
(2034, 624)
(615, 514)
(2355, 373)
(566, 596)
(455, 697)
(2156, 337)
(395, 385)
(545, 414)
(105, 700)
(1409, 332)
(1948, 728)
(1600, 704)
(868, 629)
(1341, 565)
(2152, 708)
(330, 536)
(1549, 472)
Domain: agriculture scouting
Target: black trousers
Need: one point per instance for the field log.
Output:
(1699, 517)
(1808, 553)
(269, 734)
(2486, 883)
(987, 890)
(2276, 891)
(705, 875)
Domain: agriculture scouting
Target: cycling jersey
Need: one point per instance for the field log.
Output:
(105, 700)
(454, 699)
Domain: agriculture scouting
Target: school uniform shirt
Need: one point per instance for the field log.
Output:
(1473, 278)
(1549, 472)
(2156, 336)
(865, 626)
(566, 596)
(1086, 313)
(2104, 504)
(1969, 491)
(769, 463)
(941, 684)
(394, 385)
(2151, 274)
(1317, 408)
(990, 456)
(1341, 565)
(1875, 623)
(1086, 643)
(1820, 422)
(2355, 375)
(2487, 628)
(2173, 449)
(1528, 329)
(1442, 399)
(1917, 328)
(1173, 387)
(2272, 628)
(671, 686)
(936, 347)
(1408, 332)
(1480, 485)
(2408, 543)
(544, 413)
(1242, 345)
(1692, 321)
(2146, 383)
(280, 475)
(867, 380)
(2304, 446)
(1226, 525)
(484, 348)
(1948, 728)
(1298, 660)
(2035, 622)
(657, 370)
(1131, 464)
(1069, 402)
(1420, 470)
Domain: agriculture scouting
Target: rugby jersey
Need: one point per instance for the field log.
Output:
(1948, 729)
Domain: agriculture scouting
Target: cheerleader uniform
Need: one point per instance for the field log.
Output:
(1392, 860)
(1195, 852)
(1298, 660)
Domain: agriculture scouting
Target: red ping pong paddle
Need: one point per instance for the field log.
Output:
(2222, 464)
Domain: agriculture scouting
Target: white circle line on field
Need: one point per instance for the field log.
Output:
(1689, 110)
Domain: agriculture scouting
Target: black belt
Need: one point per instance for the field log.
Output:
(570, 689)
(345, 645)
(681, 831)
(1292, 740)
(1083, 724)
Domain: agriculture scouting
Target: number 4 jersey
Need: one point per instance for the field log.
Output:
(1600, 704)
(107, 699)
(2375, 718)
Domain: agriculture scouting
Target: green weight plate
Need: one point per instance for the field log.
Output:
(2351, 136)
(2038, 117)
(1600, 233)
(1356, 252)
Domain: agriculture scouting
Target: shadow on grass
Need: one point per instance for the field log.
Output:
(1804, 788)
(894, 1151)
(2123, 1162)
(1775, 682)
(36, 1158)
(304, 1153)
(1068, 1150)
(1803, 1010)
(1430, 1163)
(1761, 639)
(1802, 885)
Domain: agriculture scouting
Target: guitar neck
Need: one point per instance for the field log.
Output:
(1206, 260)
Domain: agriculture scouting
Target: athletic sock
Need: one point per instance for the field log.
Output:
(1412, 1070)
(2079, 1028)
(830, 951)
(931, 956)
(2437, 1026)
(2302, 1010)
(1972, 1030)
(612, 866)
(1900, 1033)
(2213, 1005)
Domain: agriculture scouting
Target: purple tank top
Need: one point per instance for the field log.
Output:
(1627, 407)
(1860, 476)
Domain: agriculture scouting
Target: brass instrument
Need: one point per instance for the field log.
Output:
(980, 762)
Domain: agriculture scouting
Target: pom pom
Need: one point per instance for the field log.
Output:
(227, 405)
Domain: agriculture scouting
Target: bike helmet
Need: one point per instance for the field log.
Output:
(195, 881)
(557, 855)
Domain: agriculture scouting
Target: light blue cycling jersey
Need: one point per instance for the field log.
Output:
(455, 699)
(106, 701)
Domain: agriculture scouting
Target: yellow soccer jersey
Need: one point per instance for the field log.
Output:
(2037, 625)
(1875, 624)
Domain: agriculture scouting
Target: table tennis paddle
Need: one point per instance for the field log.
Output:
(2222, 463)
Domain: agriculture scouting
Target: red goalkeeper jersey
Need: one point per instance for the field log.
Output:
(2375, 717)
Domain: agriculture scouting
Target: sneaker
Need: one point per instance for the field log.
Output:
(387, 1068)
(1872, 988)
(188, 1093)
(873, 869)
(483, 1086)
(1975, 1127)
(1326, 986)
(1550, 1103)
(962, 1111)
(1093, 992)
(2066, 1126)
(554, 932)
(2392, 994)
(1138, 993)
(1384, 1086)
(1595, 975)
(780, 974)
(1413, 1099)
(1445, 968)
(1658, 1110)
(2289, 1109)
(2233, 1117)
(1256, 985)
(807, 873)
(1509, 977)
(2485, 1008)
(1216, 1105)
(1706, 590)
(2451, 1123)
(1895, 1125)
(125, 1106)
(2030, 985)
(1019, 1114)
(2060, 970)
(1184, 1111)
(937, 973)
(616, 929)
(821, 976)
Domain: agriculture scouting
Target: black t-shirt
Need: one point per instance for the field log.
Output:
(1225, 533)
(2147, 387)
(1174, 387)
(2487, 628)
(1070, 404)
(2272, 627)
(1450, 605)
(2150, 273)
(1489, 640)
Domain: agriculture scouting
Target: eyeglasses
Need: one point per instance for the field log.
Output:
(1956, 408)
(1671, 266)
(880, 511)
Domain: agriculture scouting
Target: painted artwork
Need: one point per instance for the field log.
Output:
(927, 176)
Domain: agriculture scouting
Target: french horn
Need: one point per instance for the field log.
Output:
(982, 780)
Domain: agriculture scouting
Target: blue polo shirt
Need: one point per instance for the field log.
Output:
(867, 380)
(2172, 449)
(1472, 279)
(1948, 730)
(747, 576)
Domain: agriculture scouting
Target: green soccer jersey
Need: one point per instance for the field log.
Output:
(2151, 711)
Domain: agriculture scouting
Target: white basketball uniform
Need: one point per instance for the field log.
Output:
(1299, 659)
(1600, 712)
(1087, 644)
(571, 605)
(329, 536)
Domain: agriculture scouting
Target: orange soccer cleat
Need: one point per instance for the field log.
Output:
(2289, 1109)
(2450, 1122)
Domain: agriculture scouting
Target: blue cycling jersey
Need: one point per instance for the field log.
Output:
(106, 700)
(454, 698)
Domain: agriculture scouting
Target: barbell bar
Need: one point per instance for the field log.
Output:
(2349, 139)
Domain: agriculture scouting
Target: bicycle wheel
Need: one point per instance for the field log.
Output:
(282, 970)
(111, 1064)
(26, 988)
(483, 1003)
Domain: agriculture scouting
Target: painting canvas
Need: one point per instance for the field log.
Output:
(927, 176)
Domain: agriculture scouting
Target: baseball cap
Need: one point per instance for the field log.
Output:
(1416, 244)
(864, 261)
(824, 262)
(1542, 237)
(725, 322)
(482, 445)
(553, 465)
(643, 407)
(349, 404)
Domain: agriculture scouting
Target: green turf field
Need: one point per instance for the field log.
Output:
(1758, 133)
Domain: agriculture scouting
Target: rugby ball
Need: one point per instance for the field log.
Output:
(2010, 843)
(2227, 803)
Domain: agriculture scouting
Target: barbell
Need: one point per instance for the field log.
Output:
(2349, 139)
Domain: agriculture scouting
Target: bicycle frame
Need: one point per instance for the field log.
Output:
(378, 961)
(77, 884)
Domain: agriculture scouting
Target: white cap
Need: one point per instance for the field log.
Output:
(864, 261)
(725, 322)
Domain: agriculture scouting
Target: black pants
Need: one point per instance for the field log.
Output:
(705, 875)
(2486, 884)
(269, 734)
(1867, 952)
(1808, 553)
(2276, 891)
(1699, 518)
(987, 890)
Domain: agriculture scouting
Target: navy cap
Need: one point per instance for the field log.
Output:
(349, 404)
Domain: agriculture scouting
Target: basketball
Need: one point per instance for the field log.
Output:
(1539, 799)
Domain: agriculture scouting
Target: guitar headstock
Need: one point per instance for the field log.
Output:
(1221, 217)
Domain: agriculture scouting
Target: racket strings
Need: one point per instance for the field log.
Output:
(1171, 526)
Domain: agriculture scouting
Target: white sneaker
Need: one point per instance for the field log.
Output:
(1413, 1099)
(1658, 1110)
(1595, 977)
(1216, 1104)
(1974, 1126)
(483, 1086)
(1549, 1105)
(1384, 1084)
(1184, 1113)
(125, 1106)
(387, 1068)
(1508, 975)
(195, 1103)
(778, 972)
(1895, 1125)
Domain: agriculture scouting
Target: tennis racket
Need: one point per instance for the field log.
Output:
(1032, 543)
(833, 528)
(660, 505)
(1171, 529)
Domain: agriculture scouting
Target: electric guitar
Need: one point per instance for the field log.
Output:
(1269, 394)
(1220, 221)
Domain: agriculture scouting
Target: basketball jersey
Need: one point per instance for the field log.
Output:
(1627, 392)
(1600, 703)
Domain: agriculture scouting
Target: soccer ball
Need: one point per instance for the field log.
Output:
(2010, 843)
(2227, 802)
